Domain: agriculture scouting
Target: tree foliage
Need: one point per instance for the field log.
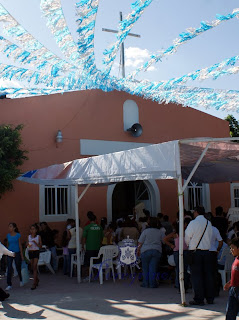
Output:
(11, 156)
(233, 125)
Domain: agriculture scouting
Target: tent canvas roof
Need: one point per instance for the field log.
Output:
(158, 161)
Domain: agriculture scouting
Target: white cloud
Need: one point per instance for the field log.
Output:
(135, 52)
(9, 83)
(133, 62)
(151, 68)
(135, 57)
(115, 66)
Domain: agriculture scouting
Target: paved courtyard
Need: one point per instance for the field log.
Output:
(59, 297)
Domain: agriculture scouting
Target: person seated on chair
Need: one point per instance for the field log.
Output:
(221, 257)
(109, 235)
(92, 239)
(130, 230)
(236, 230)
(118, 231)
(47, 237)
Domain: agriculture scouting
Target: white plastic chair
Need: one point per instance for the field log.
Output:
(125, 267)
(226, 272)
(233, 215)
(45, 260)
(74, 261)
(107, 253)
(119, 270)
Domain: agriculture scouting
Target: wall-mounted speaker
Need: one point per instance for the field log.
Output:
(136, 130)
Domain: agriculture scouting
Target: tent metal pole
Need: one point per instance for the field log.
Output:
(195, 167)
(209, 140)
(181, 190)
(181, 227)
(181, 237)
(77, 200)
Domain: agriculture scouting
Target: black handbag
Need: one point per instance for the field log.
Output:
(190, 254)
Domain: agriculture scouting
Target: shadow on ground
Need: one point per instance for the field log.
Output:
(60, 297)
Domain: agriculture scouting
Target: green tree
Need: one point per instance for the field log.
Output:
(233, 125)
(11, 156)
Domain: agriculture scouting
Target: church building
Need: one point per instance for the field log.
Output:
(90, 123)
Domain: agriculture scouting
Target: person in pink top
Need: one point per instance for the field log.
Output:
(175, 246)
(34, 244)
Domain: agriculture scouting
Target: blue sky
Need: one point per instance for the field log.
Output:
(160, 24)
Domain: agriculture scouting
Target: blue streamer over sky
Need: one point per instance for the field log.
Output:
(184, 37)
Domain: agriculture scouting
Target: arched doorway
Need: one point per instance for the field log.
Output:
(122, 198)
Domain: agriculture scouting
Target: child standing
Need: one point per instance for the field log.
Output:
(34, 245)
(233, 284)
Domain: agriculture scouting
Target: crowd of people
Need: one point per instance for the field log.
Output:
(205, 237)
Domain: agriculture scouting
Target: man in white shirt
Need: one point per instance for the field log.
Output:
(199, 241)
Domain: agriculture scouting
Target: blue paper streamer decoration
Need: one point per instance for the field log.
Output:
(42, 72)
(184, 37)
(124, 28)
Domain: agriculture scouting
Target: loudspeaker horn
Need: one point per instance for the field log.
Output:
(136, 130)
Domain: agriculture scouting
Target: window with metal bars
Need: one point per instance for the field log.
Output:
(56, 200)
(236, 196)
(195, 195)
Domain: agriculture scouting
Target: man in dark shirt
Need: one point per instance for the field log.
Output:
(47, 237)
(220, 223)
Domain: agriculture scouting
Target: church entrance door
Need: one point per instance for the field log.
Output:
(127, 195)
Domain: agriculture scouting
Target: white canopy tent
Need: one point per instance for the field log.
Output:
(204, 160)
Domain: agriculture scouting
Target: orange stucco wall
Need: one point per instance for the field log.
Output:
(220, 195)
(94, 115)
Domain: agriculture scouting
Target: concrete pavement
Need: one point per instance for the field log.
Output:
(59, 297)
